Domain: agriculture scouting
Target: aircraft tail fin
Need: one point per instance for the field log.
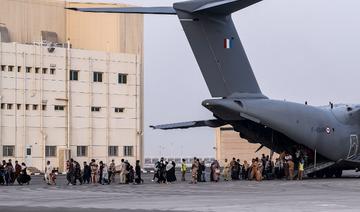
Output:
(217, 47)
(214, 42)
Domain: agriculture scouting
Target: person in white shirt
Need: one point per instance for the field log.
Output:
(48, 173)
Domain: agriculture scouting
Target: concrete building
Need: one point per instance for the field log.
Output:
(229, 145)
(58, 102)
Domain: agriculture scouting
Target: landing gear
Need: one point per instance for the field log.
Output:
(338, 173)
(320, 174)
(329, 173)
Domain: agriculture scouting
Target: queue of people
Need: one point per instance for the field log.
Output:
(10, 173)
(284, 167)
(97, 173)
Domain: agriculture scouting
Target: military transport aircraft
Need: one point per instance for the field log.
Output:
(329, 134)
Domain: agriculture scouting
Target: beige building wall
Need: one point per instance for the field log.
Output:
(118, 41)
(25, 19)
(229, 145)
(105, 32)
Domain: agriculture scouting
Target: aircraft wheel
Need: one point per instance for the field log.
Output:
(338, 173)
(329, 173)
(320, 174)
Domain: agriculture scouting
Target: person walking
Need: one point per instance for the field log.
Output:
(17, 170)
(216, 171)
(105, 174)
(9, 169)
(194, 171)
(94, 170)
(245, 170)
(2, 172)
(48, 173)
(123, 172)
(203, 169)
(170, 176)
(112, 171)
(86, 173)
(77, 173)
(183, 170)
(226, 170)
(291, 169)
(138, 179)
(24, 178)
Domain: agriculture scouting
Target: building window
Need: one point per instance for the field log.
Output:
(9, 106)
(74, 75)
(2, 106)
(27, 107)
(122, 78)
(52, 71)
(10, 68)
(35, 107)
(97, 76)
(119, 110)
(28, 151)
(81, 151)
(37, 69)
(3, 67)
(59, 107)
(128, 151)
(43, 107)
(19, 69)
(8, 151)
(95, 109)
(44, 70)
(28, 69)
(18, 106)
(113, 151)
(50, 151)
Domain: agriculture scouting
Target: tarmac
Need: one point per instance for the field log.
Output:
(276, 195)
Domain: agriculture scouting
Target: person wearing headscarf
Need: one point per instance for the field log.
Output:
(170, 176)
(216, 170)
(194, 171)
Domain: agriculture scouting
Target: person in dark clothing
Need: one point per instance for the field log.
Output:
(157, 171)
(2, 172)
(162, 171)
(101, 167)
(23, 178)
(70, 171)
(131, 174)
(86, 173)
(138, 179)
(128, 167)
(17, 170)
(234, 170)
(170, 176)
(77, 175)
(199, 172)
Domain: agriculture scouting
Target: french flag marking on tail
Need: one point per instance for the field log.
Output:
(227, 43)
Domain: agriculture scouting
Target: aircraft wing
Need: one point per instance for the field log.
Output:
(138, 10)
(185, 125)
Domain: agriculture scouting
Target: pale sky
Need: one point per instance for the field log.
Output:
(300, 50)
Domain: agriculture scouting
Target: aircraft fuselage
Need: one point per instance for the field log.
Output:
(324, 129)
